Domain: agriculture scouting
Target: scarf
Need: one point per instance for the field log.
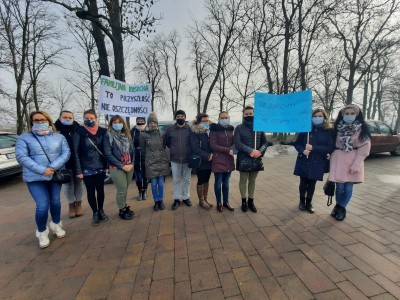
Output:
(123, 143)
(345, 131)
(92, 130)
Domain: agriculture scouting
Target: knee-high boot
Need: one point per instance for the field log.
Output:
(140, 187)
(205, 194)
(200, 194)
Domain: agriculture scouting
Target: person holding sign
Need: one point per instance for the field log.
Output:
(222, 164)
(312, 161)
(353, 143)
(140, 172)
(156, 160)
(251, 146)
(119, 151)
(177, 139)
(200, 144)
(90, 163)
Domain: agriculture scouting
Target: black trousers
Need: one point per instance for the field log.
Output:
(95, 183)
(203, 176)
(307, 188)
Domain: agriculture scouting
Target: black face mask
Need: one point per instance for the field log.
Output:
(249, 118)
(180, 121)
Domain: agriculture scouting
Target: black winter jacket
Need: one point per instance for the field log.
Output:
(200, 144)
(177, 139)
(68, 132)
(139, 156)
(244, 143)
(113, 154)
(85, 154)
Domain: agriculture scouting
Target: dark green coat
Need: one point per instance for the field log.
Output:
(152, 147)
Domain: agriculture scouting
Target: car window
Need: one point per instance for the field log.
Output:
(384, 129)
(7, 141)
(372, 127)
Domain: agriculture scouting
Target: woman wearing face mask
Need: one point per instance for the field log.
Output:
(200, 144)
(140, 172)
(41, 152)
(222, 164)
(118, 149)
(353, 143)
(251, 146)
(73, 190)
(90, 163)
(157, 163)
(312, 160)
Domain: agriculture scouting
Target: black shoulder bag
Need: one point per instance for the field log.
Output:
(195, 161)
(59, 176)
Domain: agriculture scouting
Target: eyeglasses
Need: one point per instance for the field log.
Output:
(39, 120)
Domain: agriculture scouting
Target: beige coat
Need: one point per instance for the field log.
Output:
(342, 162)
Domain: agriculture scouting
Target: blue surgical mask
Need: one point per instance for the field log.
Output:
(349, 119)
(206, 126)
(117, 127)
(67, 122)
(224, 122)
(317, 120)
(89, 123)
(41, 126)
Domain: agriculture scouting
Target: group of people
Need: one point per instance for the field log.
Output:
(89, 150)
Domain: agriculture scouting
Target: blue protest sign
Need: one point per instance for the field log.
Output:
(283, 113)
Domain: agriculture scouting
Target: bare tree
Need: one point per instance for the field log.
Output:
(361, 26)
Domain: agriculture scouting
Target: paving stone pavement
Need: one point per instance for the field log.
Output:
(277, 253)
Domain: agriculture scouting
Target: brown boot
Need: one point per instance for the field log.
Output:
(78, 208)
(71, 211)
(202, 203)
(205, 194)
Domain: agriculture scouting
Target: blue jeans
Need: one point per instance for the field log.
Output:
(344, 191)
(222, 179)
(157, 188)
(46, 195)
(181, 175)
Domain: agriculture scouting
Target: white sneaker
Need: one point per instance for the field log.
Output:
(57, 229)
(43, 238)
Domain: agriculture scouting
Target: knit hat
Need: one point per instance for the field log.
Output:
(353, 107)
(180, 112)
(140, 119)
(152, 118)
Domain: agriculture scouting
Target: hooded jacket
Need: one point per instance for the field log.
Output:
(68, 132)
(200, 144)
(221, 142)
(30, 154)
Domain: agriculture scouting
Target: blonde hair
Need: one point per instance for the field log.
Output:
(327, 124)
(44, 114)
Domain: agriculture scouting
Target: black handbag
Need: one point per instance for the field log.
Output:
(59, 176)
(247, 163)
(195, 161)
(329, 190)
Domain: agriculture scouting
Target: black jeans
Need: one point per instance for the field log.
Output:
(95, 183)
(307, 187)
(203, 176)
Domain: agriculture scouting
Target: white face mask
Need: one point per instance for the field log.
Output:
(224, 122)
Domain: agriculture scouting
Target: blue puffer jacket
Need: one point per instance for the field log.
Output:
(31, 157)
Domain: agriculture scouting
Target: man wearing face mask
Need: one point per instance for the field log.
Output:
(251, 146)
(73, 191)
(141, 179)
(177, 139)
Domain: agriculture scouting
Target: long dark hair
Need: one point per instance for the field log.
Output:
(364, 134)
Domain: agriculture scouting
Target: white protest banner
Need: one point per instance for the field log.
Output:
(283, 113)
(119, 98)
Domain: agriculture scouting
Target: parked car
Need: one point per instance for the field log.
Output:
(8, 163)
(383, 138)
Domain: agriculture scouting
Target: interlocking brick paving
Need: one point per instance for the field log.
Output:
(277, 253)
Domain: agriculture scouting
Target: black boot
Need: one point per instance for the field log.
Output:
(140, 188)
(302, 204)
(334, 211)
(144, 194)
(341, 213)
(244, 205)
(309, 206)
(251, 205)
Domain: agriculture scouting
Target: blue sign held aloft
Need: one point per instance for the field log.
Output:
(283, 113)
